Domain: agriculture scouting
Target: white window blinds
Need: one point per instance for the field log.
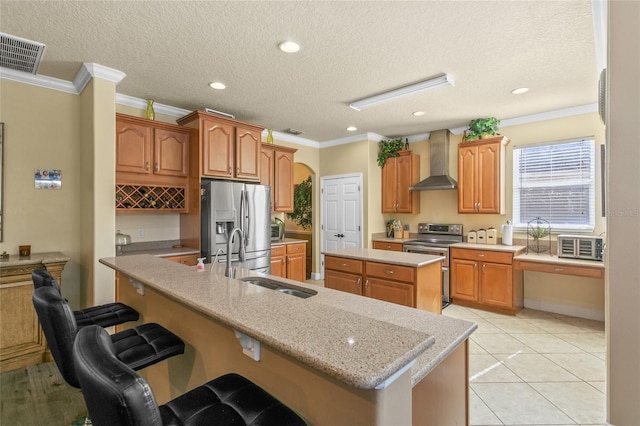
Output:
(555, 182)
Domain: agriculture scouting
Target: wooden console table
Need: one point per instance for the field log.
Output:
(21, 341)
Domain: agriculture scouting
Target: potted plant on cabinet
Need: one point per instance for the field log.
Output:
(389, 149)
(482, 128)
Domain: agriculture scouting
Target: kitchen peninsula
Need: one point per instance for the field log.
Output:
(335, 358)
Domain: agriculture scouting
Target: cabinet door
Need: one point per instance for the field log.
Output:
(389, 179)
(296, 265)
(247, 158)
(404, 179)
(496, 284)
(389, 291)
(267, 172)
(467, 174)
(278, 266)
(489, 178)
(171, 153)
(464, 279)
(133, 147)
(283, 185)
(351, 283)
(218, 141)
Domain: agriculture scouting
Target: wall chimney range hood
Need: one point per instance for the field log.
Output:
(439, 162)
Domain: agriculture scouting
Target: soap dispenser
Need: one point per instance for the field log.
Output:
(200, 265)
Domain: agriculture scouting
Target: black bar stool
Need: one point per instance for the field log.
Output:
(117, 395)
(137, 347)
(105, 315)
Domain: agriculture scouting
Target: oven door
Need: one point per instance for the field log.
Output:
(436, 251)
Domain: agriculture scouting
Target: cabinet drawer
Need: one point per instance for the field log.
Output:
(295, 248)
(581, 271)
(390, 272)
(382, 245)
(341, 264)
(482, 255)
(278, 250)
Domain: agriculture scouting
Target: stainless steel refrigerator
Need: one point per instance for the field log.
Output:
(227, 205)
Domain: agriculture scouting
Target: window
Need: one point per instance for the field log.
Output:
(556, 182)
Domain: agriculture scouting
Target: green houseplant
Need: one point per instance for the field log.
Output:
(481, 128)
(302, 204)
(389, 149)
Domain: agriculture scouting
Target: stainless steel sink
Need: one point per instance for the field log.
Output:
(279, 286)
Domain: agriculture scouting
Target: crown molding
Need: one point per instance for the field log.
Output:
(142, 104)
(38, 80)
(90, 70)
(286, 137)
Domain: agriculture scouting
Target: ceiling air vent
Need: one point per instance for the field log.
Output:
(20, 54)
(292, 131)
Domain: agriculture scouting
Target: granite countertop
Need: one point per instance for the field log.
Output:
(555, 260)
(48, 257)
(166, 248)
(492, 247)
(362, 341)
(385, 256)
(393, 240)
(286, 241)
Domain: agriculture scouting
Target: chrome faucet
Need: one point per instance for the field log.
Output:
(229, 270)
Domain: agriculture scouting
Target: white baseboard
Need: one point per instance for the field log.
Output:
(316, 276)
(574, 311)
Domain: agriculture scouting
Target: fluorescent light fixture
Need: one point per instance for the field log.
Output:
(351, 129)
(520, 90)
(217, 85)
(412, 89)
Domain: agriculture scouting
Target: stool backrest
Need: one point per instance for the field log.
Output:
(113, 392)
(42, 278)
(59, 327)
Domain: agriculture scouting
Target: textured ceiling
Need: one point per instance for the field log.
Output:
(170, 51)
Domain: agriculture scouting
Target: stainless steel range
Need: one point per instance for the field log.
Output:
(435, 238)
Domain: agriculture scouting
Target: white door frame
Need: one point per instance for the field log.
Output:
(359, 178)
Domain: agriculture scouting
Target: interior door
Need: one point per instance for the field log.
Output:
(341, 212)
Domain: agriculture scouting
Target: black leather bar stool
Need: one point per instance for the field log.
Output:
(117, 395)
(105, 315)
(137, 347)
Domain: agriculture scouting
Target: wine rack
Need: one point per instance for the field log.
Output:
(147, 198)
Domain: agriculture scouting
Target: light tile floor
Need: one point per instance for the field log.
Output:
(535, 368)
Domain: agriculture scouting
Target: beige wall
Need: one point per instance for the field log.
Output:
(623, 223)
(42, 130)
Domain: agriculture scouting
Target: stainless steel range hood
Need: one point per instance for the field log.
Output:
(439, 162)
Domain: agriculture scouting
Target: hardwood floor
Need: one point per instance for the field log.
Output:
(38, 395)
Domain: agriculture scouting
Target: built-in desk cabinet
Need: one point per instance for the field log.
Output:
(22, 342)
(486, 279)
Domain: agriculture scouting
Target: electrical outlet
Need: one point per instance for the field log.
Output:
(140, 233)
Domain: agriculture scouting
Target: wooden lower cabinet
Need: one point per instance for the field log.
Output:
(486, 279)
(185, 259)
(409, 286)
(289, 261)
(22, 342)
(383, 245)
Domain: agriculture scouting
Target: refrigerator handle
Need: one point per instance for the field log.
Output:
(247, 219)
(243, 226)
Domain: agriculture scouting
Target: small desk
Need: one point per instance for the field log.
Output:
(559, 265)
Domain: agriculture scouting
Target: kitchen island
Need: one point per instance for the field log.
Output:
(334, 358)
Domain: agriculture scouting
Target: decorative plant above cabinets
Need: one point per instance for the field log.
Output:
(389, 149)
(482, 128)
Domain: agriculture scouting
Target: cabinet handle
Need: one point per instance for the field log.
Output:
(229, 169)
(483, 267)
(475, 266)
(388, 246)
(156, 167)
(343, 264)
(389, 271)
(358, 283)
(146, 165)
(480, 255)
(366, 285)
(558, 269)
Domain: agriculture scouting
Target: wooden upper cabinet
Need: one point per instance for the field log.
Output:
(229, 149)
(481, 176)
(218, 141)
(150, 152)
(133, 147)
(398, 174)
(277, 172)
(248, 144)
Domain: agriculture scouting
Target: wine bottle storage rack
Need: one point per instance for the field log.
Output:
(145, 197)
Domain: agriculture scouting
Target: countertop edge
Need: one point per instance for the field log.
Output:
(390, 257)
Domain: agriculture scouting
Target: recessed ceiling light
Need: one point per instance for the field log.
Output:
(217, 85)
(289, 46)
(351, 129)
(418, 113)
(520, 90)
